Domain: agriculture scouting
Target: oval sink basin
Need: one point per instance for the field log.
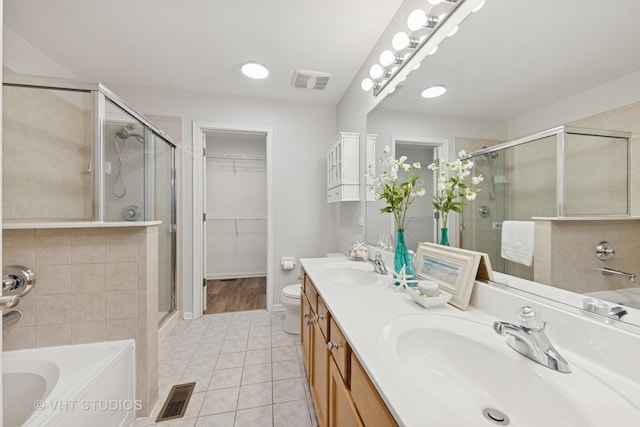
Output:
(464, 368)
(350, 273)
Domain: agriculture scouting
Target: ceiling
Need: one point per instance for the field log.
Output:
(200, 45)
(515, 56)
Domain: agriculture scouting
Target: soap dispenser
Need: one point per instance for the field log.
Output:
(410, 269)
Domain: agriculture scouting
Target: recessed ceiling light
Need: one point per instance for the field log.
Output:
(255, 70)
(433, 91)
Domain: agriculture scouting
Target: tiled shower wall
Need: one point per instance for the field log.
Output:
(92, 284)
(566, 253)
(46, 154)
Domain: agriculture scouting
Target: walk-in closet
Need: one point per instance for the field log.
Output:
(236, 221)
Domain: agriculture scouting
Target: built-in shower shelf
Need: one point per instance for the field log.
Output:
(16, 225)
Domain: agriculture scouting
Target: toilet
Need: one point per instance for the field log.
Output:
(290, 298)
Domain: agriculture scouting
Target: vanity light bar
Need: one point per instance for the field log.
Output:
(423, 24)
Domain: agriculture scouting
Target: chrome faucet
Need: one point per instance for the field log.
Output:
(594, 305)
(611, 272)
(378, 263)
(528, 338)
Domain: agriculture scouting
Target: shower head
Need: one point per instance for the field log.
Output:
(492, 155)
(127, 131)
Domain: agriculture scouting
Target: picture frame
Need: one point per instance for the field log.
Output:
(454, 269)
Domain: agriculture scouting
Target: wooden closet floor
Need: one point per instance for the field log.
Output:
(236, 295)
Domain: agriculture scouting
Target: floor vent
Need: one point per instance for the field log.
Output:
(176, 403)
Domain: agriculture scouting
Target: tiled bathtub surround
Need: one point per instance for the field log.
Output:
(92, 284)
(248, 372)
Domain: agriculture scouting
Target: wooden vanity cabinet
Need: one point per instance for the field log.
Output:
(342, 393)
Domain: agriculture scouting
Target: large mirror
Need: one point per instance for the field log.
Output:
(514, 69)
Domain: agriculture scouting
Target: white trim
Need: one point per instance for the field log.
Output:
(198, 174)
(188, 315)
(167, 325)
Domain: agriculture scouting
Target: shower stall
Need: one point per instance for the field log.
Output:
(564, 172)
(89, 157)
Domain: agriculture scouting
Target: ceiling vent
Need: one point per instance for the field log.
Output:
(310, 79)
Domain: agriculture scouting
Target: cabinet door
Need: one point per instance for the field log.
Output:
(305, 332)
(342, 411)
(319, 373)
(370, 405)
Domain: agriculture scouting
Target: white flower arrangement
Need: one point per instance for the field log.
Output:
(398, 195)
(451, 188)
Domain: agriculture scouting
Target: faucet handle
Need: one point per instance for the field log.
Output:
(528, 317)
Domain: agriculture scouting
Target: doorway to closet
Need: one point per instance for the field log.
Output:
(235, 229)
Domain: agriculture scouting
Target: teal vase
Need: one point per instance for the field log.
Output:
(402, 258)
(444, 236)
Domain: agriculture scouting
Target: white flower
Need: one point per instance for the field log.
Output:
(402, 159)
(475, 180)
(432, 167)
(387, 149)
(417, 165)
(469, 194)
(462, 154)
(421, 192)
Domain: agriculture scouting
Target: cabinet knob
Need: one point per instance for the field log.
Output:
(320, 317)
(332, 345)
(306, 315)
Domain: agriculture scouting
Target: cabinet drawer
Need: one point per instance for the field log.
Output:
(370, 405)
(311, 293)
(323, 318)
(339, 350)
(343, 193)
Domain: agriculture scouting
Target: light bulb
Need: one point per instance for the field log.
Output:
(435, 2)
(255, 70)
(400, 41)
(417, 19)
(454, 31)
(417, 66)
(376, 71)
(434, 50)
(478, 7)
(433, 91)
(387, 58)
(366, 84)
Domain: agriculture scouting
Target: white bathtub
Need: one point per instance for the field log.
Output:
(75, 385)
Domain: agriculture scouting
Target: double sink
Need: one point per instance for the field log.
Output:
(450, 368)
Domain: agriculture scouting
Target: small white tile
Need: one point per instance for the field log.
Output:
(286, 370)
(208, 348)
(233, 346)
(219, 401)
(280, 354)
(219, 420)
(258, 357)
(256, 374)
(282, 340)
(255, 343)
(255, 417)
(289, 390)
(291, 414)
(225, 378)
(202, 363)
(230, 360)
(254, 395)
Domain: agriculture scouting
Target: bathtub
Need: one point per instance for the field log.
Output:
(74, 385)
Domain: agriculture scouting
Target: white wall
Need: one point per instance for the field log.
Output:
(301, 135)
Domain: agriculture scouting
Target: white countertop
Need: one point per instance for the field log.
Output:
(362, 311)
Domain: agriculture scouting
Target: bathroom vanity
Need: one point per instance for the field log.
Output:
(374, 357)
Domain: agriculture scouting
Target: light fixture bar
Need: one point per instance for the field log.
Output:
(418, 43)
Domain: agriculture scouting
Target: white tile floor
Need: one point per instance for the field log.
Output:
(248, 372)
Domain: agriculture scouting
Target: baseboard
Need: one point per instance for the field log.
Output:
(278, 307)
(167, 325)
(235, 276)
(188, 315)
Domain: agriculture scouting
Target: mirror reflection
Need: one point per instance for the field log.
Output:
(510, 77)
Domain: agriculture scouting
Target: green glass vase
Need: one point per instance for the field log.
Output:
(444, 236)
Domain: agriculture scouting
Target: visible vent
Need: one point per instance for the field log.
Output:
(315, 80)
(176, 403)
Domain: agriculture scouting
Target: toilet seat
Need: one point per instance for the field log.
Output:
(292, 291)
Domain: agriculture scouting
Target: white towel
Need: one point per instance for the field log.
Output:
(517, 241)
